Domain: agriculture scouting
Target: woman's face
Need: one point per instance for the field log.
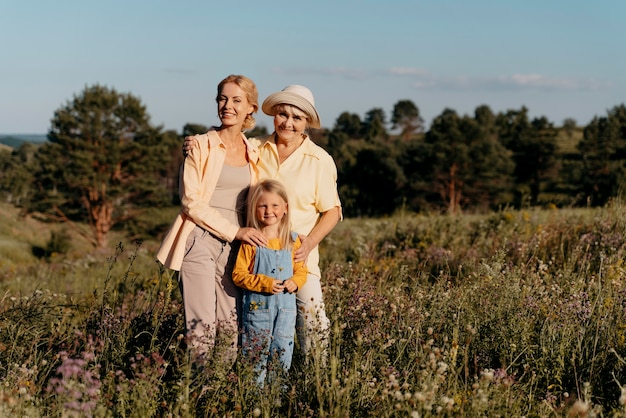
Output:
(289, 123)
(233, 105)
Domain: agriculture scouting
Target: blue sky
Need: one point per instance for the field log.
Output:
(559, 58)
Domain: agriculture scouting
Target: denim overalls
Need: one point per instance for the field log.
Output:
(269, 320)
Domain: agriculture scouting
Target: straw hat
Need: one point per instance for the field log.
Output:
(295, 95)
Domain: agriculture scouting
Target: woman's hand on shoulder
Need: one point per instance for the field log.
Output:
(190, 143)
(251, 236)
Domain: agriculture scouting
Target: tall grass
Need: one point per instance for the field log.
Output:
(516, 313)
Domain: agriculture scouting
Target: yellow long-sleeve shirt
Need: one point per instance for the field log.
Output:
(244, 277)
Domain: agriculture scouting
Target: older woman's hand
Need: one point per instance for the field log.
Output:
(251, 236)
(302, 253)
(190, 143)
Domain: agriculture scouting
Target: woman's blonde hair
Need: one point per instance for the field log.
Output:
(252, 95)
(270, 186)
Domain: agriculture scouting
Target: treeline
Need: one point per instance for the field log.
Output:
(475, 163)
(105, 162)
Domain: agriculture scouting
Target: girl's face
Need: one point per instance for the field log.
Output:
(289, 124)
(233, 105)
(270, 208)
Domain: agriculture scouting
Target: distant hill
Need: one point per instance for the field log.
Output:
(15, 140)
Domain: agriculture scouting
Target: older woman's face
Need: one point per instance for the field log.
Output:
(289, 123)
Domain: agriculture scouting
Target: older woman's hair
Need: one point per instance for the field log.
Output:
(280, 107)
(249, 88)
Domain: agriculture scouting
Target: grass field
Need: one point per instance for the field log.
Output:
(511, 314)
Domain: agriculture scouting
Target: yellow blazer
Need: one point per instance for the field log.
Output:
(199, 174)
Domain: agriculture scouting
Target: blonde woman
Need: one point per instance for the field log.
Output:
(215, 179)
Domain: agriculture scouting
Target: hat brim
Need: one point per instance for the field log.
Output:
(285, 97)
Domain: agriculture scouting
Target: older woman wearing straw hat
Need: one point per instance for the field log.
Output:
(310, 177)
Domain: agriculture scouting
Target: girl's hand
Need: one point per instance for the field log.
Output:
(278, 287)
(290, 286)
(251, 236)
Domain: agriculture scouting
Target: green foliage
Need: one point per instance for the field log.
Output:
(257, 131)
(406, 116)
(373, 127)
(603, 148)
(194, 129)
(103, 161)
(370, 177)
(467, 165)
(533, 144)
(16, 174)
(349, 124)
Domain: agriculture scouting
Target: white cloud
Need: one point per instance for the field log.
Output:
(423, 79)
(408, 71)
(420, 78)
(342, 72)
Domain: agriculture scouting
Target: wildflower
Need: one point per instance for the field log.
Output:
(488, 374)
(579, 409)
(442, 367)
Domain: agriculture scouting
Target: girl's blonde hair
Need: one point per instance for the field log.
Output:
(270, 186)
(252, 95)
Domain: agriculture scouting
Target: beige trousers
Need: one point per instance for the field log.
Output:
(312, 326)
(211, 299)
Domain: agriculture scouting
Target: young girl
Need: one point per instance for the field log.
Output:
(270, 277)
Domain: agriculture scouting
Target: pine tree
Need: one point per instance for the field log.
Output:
(104, 161)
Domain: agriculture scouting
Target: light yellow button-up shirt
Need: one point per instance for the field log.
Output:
(310, 177)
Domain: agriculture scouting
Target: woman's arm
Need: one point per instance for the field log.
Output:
(195, 203)
(300, 271)
(328, 221)
(197, 207)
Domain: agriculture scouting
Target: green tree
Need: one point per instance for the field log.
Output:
(349, 124)
(257, 131)
(534, 146)
(347, 128)
(467, 164)
(373, 127)
(369, 176)
(406, 116)
(194, 129)
(104, 161)
(16, 174)
(569, 126)
(603, 150)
